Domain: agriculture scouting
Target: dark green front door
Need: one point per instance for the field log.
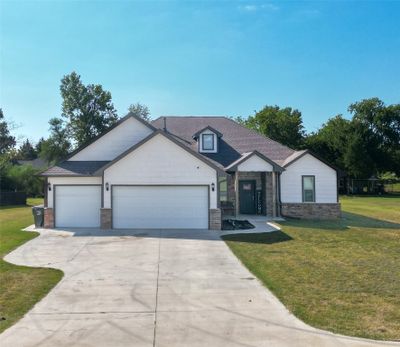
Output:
(247, 197)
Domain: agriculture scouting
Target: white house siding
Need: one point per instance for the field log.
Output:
(70, 181)
(160, 162)
(255, 163)
(325, 180)
(115, 142)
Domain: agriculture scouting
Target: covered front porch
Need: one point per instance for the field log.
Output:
(251, 188)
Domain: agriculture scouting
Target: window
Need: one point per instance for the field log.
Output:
(223, 189)
(207, 142)
(308, 188)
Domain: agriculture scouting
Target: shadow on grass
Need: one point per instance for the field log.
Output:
(348, 220)
(263, 238)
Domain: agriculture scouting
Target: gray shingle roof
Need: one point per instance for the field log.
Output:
(236, 138)
(75, 168)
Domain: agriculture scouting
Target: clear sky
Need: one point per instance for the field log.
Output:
(191, 58)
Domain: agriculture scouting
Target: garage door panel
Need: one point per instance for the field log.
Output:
(77, 206)
(160, 207)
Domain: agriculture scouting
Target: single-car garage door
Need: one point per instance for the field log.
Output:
(77, 206)
(160, 207)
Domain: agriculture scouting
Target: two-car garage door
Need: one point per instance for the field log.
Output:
(162, 207)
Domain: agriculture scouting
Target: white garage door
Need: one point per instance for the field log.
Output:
(77, 206)
(160, 207)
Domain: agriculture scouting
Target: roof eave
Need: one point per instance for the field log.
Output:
(234, 167)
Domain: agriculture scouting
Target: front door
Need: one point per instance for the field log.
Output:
(247, 197)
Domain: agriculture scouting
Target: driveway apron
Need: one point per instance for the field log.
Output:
(154, 288)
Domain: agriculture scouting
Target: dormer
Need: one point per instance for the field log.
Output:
(207, 140)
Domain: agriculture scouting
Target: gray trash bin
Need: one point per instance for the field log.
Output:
(38, 215)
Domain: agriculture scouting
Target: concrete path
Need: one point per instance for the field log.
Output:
(154, 288)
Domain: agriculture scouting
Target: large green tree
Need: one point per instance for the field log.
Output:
(331, 140)
(140, 110)
(284, 125)
(378, 126)
(7, 141)
(57, 146)
(27, 151)
(87, 109)
(366, 145)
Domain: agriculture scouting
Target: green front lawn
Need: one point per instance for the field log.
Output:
(20, 286)
(342, 276)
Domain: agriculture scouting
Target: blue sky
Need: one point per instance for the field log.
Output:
(209, 58)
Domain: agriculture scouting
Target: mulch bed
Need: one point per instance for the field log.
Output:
(234, 224)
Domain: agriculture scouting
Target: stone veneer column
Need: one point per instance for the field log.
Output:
(215, 219)
(268, 194)
(48, 218)
(105, 218)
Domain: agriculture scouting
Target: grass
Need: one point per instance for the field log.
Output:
(20, 286)
(342, 276)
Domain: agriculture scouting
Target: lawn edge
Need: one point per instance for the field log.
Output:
(36, 234)
(328, 332)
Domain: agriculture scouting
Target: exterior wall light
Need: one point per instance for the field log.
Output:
(213, 186)
(107, 186)
(49, 186)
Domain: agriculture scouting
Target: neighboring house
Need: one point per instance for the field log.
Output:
(37, 163)
(185, 172)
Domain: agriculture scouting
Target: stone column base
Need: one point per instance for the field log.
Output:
(105, 218)
(215, 219)
(310, 210)
(48, 218)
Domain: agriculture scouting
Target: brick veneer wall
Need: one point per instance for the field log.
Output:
(105, 218)
(48, 218)
(215, 219)
(311, 210)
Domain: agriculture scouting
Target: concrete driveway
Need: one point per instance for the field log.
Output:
(154, 288)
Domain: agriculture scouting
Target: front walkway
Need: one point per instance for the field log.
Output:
(154, 288)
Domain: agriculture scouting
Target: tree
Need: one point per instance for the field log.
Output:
(7, 141)
(330, 141)
(25, 178)
(284, 125)
(379, 127)
(57, 146)
(27, 151)
(38, 147)
(88, 110)
(140, 110)
(366, 145)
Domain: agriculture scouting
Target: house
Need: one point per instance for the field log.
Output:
(185, 172)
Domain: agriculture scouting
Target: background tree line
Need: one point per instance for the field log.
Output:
(365, 145)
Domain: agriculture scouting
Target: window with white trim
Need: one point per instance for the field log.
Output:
(223, 188)
(207, 142)
(308, 185)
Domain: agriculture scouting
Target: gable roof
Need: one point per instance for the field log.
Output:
(74, 168)
(299, 154)
(169, 137)
(120, 121)
(196, 135)
(246, 156)
(236, 139)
